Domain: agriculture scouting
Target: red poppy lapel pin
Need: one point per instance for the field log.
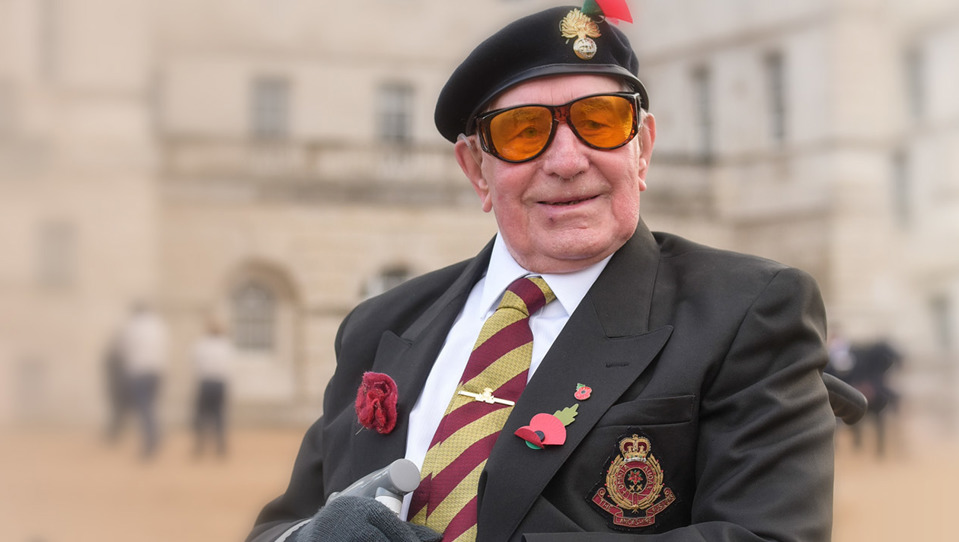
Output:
(582, 392)
(548, 429)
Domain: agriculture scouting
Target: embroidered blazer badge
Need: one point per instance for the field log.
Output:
(633, 491)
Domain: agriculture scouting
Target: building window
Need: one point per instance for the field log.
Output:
(56, 263)
(942, 320)
(775, 72)
(270, 108)
(395, 113)
(914, 69)
(47, 36)
(901, 187)
(7, 108)
(254, 317)
(703, 111)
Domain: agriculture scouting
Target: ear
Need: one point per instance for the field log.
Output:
(470, 158)
(647, 137)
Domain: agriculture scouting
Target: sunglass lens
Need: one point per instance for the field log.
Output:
(603, 121)
(521, 133)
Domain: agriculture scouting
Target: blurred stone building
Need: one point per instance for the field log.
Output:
(273, 162)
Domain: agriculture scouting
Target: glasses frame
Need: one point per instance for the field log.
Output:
(560, 113)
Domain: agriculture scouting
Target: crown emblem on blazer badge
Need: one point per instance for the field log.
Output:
(633, 491)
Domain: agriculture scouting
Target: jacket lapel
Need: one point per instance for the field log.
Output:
(408, 360)
(606, 345)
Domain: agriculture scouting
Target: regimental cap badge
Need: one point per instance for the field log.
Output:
(577, 24)
(583, 24)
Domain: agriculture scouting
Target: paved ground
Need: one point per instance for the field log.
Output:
(69, 487)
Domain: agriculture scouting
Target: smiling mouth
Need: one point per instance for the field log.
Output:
(568, 203)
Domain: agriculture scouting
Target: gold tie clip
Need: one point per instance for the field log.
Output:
(486, 397)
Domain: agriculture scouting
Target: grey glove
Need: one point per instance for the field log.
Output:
(362, 519)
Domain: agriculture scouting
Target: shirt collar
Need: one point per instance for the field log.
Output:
(570, 288)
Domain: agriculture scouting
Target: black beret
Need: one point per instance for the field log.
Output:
(525, 49)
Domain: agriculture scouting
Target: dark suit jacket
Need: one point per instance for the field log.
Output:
(712, 356)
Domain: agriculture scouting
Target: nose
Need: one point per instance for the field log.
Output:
(566, 155)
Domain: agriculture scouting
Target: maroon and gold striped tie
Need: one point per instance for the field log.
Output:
(493, 380)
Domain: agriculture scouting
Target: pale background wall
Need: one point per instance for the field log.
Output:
(126, 151)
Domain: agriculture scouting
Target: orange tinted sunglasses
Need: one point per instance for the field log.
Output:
(523, 132)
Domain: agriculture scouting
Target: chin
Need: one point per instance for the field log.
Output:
(583, 246)
(567, 261)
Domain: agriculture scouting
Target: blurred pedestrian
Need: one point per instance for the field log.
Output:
(143, 345)
(117, 389)
(870, 375)
(213, 357)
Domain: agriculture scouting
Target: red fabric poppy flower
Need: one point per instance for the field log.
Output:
(376, 402)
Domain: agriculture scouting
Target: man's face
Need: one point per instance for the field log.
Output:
(573, 205)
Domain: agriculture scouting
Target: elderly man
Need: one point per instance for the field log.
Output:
(657, 389)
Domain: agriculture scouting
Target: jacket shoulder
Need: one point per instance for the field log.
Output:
(700, 267)
(676, 250)
(675, 246)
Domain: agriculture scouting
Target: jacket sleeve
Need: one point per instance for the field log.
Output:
(323, 464)
(764, 466)
(766, 451)
(306, 492)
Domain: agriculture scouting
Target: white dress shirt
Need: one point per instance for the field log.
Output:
(144, 344)
(546, 324)
(213, 358)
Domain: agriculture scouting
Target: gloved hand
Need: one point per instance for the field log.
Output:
(362, 519)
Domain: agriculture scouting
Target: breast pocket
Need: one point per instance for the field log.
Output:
(651, 411)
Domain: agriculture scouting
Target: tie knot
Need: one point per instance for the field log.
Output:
(527, 295)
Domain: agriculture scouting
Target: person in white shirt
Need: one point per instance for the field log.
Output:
(213, 358)
(143, 348)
